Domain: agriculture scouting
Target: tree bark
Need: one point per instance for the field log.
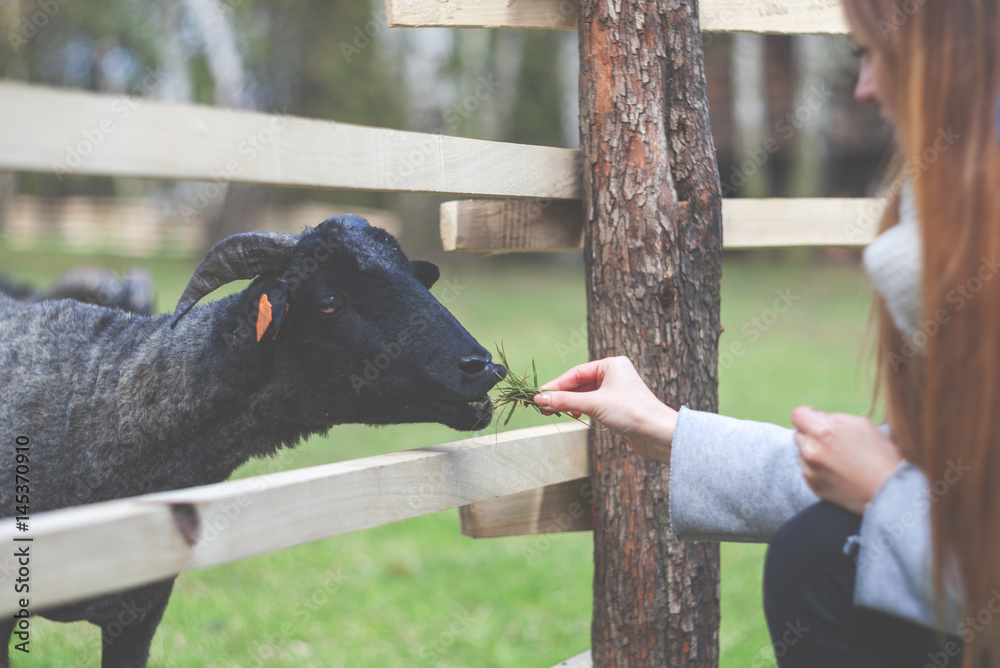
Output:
(654, 255)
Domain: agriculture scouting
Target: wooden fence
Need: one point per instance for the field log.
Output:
(511, 484)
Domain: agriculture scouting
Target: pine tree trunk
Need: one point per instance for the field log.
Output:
(654, 255)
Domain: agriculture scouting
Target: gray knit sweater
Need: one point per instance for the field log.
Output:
(737, 480)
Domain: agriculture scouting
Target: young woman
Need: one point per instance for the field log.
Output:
(884, 544)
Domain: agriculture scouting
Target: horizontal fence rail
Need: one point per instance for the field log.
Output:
(565, 506)
(72, 132)
(90, 550)
(773, 16)
(125, 137)
(584, 660)
(504, 226)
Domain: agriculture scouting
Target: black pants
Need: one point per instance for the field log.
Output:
(808, 602)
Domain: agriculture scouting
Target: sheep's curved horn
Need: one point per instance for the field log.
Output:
(239, 256)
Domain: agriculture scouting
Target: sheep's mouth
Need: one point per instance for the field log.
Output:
(468, 415)
(479, 405)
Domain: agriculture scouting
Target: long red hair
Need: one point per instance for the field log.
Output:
(943, 403)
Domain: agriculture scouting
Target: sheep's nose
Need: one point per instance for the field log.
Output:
(481, 366)
(473, 365)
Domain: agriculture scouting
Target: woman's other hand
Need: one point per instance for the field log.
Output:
(845, 458)
(611, 392)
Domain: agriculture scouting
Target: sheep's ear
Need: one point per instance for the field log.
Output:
(271, 309)
(426, 272)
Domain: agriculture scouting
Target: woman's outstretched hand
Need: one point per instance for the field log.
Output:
(611, 392)
(845, 458)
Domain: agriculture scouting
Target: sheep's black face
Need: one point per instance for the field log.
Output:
(369, 340)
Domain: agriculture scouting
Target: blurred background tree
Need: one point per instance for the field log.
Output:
(783, 118)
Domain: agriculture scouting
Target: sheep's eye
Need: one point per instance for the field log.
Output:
(330, 305)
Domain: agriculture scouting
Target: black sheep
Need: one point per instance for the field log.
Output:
(128, 405)
(92, 285)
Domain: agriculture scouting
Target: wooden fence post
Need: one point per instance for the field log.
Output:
(653, 247)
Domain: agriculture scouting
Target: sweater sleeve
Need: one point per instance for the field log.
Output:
(733, 480)
(736, 480)
(894, 553)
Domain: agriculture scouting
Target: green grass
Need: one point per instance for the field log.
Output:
(418, 593)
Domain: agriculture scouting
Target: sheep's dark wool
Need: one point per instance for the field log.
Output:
(121, 405)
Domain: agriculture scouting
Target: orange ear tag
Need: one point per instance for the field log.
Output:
(263, 316)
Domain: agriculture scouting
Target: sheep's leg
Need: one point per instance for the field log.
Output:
(6, 628)
(126, 645)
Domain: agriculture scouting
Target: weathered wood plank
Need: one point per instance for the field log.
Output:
(491, 226)
(583, 660)
(772, 16)
(73, 132)
(763, 223)
(512, 225)
(94, 549)
(565, 506)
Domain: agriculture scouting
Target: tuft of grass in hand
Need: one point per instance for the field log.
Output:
(515, 392)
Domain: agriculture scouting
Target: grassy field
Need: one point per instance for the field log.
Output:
(417, 593)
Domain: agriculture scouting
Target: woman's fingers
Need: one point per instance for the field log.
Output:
(809, 447)
(576, 378)
(566, 402)
(813, 423)
(845, 459)
(598, 389)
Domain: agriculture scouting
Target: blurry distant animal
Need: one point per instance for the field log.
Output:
(131, 292)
